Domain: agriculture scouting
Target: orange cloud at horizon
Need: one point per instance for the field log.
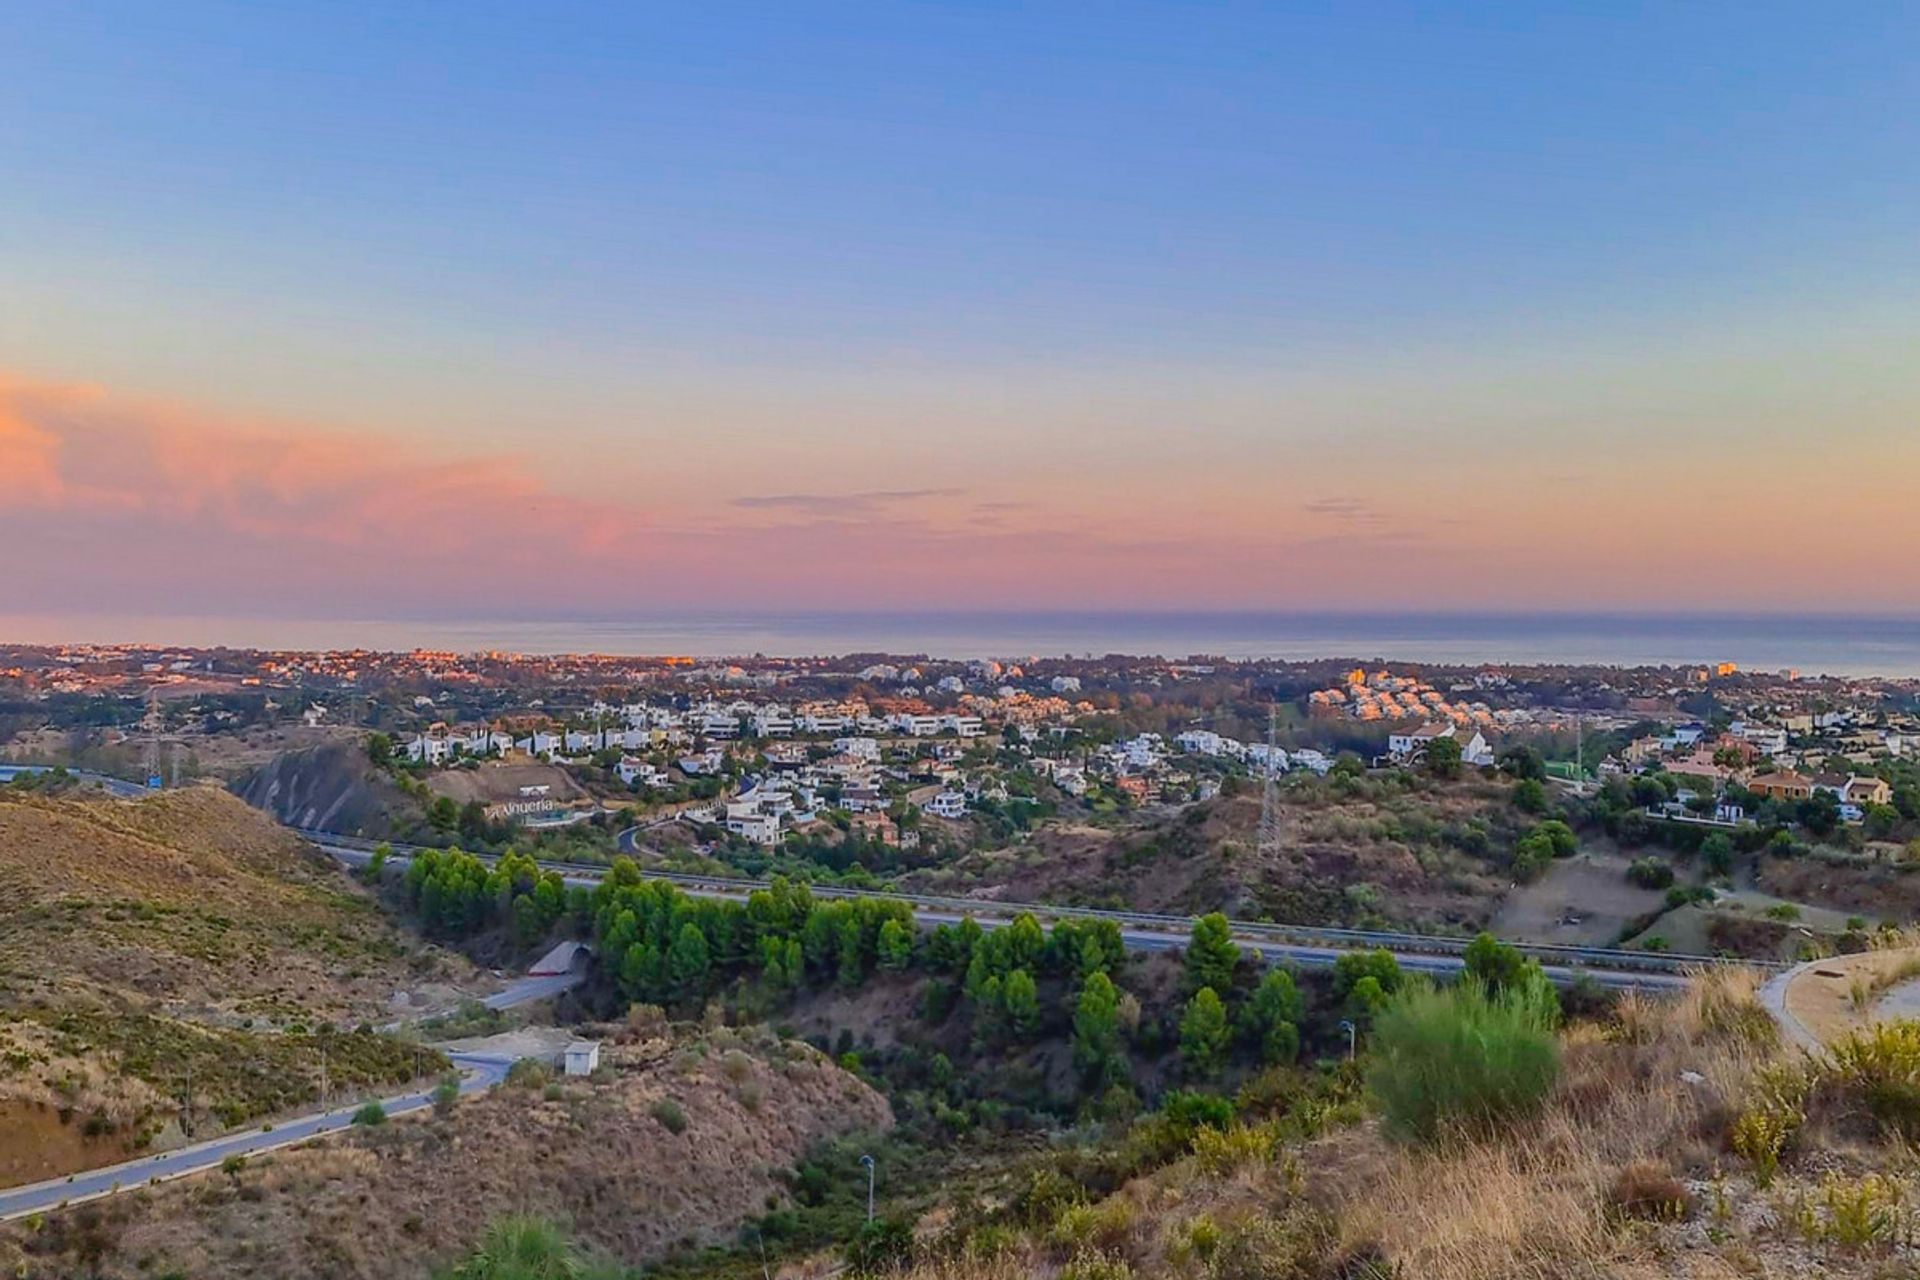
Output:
(128, 503)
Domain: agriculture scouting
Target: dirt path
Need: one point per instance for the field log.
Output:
(1824, 1000)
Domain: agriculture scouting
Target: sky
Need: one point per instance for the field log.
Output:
(473, 310)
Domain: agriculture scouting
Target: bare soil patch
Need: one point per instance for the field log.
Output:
(1585, 900)
(494, 782)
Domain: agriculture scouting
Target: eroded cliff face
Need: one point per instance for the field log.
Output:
(331, 787)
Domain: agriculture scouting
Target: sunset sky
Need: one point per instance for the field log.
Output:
(467, 310)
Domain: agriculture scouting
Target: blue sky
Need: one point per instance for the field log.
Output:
(585, 235)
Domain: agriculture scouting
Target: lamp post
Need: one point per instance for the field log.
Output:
(1346, 1025)
(868, 1161)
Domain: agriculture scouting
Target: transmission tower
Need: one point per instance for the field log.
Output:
(153, 722)
(1270, 794)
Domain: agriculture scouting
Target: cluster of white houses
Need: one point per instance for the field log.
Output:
(647, 727)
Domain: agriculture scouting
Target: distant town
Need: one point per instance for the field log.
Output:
(889, 750)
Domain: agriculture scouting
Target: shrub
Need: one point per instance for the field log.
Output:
(1647, 1189)
(1188, 1111)
(885, 1244)
(1461, 1057)
(445, 1094)
(371, 1114)
(1099, 1226)
(1221, 1151)
(669, 1114)
(524, 1247)
(1093, 1264)
(1762, 1132)
(1530, 797)
(1197, 1239)
(1879, 1069)
(1295, 1243)
(1650, 873)
(528, 1073)
(1854, 1213)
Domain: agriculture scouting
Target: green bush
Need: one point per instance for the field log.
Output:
(1461, 1057)
(371, 1114)
(1650, 873)
(528, 1073)
(885, 1244)
(528, 1249)
(668, 1113)
(1878, 1069)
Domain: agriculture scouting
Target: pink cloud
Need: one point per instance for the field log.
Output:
(114, 504)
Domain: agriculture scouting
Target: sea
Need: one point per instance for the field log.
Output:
(1813, 644)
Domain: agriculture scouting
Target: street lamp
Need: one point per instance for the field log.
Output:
(1346, 1025)
(868, 1161)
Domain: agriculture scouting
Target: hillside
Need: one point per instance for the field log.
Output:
(330, 787)
(182, 938)
(1398, 850)
(190, 903)
(1673, 1139)
(674, 1143)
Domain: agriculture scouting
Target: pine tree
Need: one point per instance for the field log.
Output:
(1211, 954)
(896, 945)
(1021, 999)
(688, 962)
(1273, 1016)
(1204, 1032)
(1096, 1023)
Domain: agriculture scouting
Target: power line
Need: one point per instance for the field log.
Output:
(1269, 839)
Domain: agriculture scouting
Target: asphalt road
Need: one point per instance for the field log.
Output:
(114, 786)
(477, 1072)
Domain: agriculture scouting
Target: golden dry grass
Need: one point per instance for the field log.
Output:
(190, 902)
(1642, 1101)
(392, 1201)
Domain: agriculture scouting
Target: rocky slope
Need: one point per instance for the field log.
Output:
(331, 787)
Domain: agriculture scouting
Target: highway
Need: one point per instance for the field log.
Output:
(1148, 931)
(477, 1072)
(113, 786)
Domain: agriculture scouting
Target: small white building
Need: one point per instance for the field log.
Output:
(760, 828)
(963, 725)
(582, 1057)
(641, 772)
(948, 804)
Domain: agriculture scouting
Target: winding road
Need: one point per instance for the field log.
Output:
(477, 1072)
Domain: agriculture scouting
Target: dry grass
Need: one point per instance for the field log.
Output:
(1604, 1182)
(1534, 1202)
(144, 943)
(392, 1200)
(191, 903)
